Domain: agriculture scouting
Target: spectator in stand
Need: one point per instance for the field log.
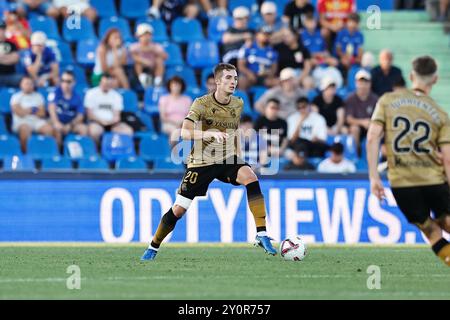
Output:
(295, 12)
(40, 61)
(292, 54)
(333, 17)
(237, 35)
(298, 161)
(9, 57)
(287, 92)
(66, 8)
(349, 43)
(65, 108)
(17, 28)
(103, 106)
(313, 41)
(148, 57)
(275, 129)
(38, 7)
(169, 10)
(307, 130)
(111, 58)
(359, 107)
(399, 84)
(385, 74)
(29, 115)
(258, 63)
(331, 107)
(270, 20)
(336, 163)
(210, 84)
(173, 107)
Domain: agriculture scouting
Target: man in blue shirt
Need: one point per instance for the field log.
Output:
(258, 63)
(315, 43)
(66, 109)
(40, 61)
(349, 42)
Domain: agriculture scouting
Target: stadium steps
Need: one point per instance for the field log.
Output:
(409, 34)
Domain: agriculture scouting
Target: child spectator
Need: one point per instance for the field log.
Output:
(336, 163)
(111, 58)
(40, 61)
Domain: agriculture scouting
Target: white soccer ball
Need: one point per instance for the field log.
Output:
(293, 249)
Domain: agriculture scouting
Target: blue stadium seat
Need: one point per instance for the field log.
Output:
(342, 92)
(115, 22)
(3, 129)
(9, 145)
(131, 163)
(147, 120)
(350, 149)
(56, 163)
(164, 164)
(45, 24)
(78, 147)
(185, 72)
(130, 100)
(384, 5)
(93, 163)
(5, 97)
(281, 4)
(361, 165)
(312, 94)
(151, 99)
(247, 105)
(257, 92)
(105, 8)
(41, 147)
(74, 33)
(185, 30)
(117, 146)
(175, 58)
(18, 163)
(159, 29)
(204, 76)
(61, 50)
(86, 51)
(133, 9)
(154, 147)
(202, 54)
(194, 93)
(217, 27)
(315, 161)
(252, 5)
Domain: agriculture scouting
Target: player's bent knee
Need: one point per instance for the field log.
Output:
(181, 205)
(246, 175)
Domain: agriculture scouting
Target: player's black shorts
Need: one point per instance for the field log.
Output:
(195, 181)
(416, 203)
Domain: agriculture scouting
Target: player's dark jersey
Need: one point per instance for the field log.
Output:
(209, 114)
(415, 126)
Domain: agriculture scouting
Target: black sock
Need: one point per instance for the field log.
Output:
(439, 245)
(166, 226)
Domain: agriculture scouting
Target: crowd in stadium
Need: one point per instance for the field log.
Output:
(134, 68)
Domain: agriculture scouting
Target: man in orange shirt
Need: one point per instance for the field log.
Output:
(333, 17)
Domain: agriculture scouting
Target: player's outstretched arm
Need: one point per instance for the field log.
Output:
(189, 132)
(374, 136)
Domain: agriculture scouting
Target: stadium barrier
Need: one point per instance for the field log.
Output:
(127, 207)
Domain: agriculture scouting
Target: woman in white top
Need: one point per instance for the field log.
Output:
(111, 58)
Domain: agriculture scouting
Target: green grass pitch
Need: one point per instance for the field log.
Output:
(219, 271)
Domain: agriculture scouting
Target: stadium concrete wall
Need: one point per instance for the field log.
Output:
(122, 208)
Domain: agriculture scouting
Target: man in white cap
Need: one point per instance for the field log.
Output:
(287, 92)
(270, 19)
(359, 106)
(237, 35)
(148, 57)
(40, 61)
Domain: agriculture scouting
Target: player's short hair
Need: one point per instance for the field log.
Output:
(424, 68)
(218, 70)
